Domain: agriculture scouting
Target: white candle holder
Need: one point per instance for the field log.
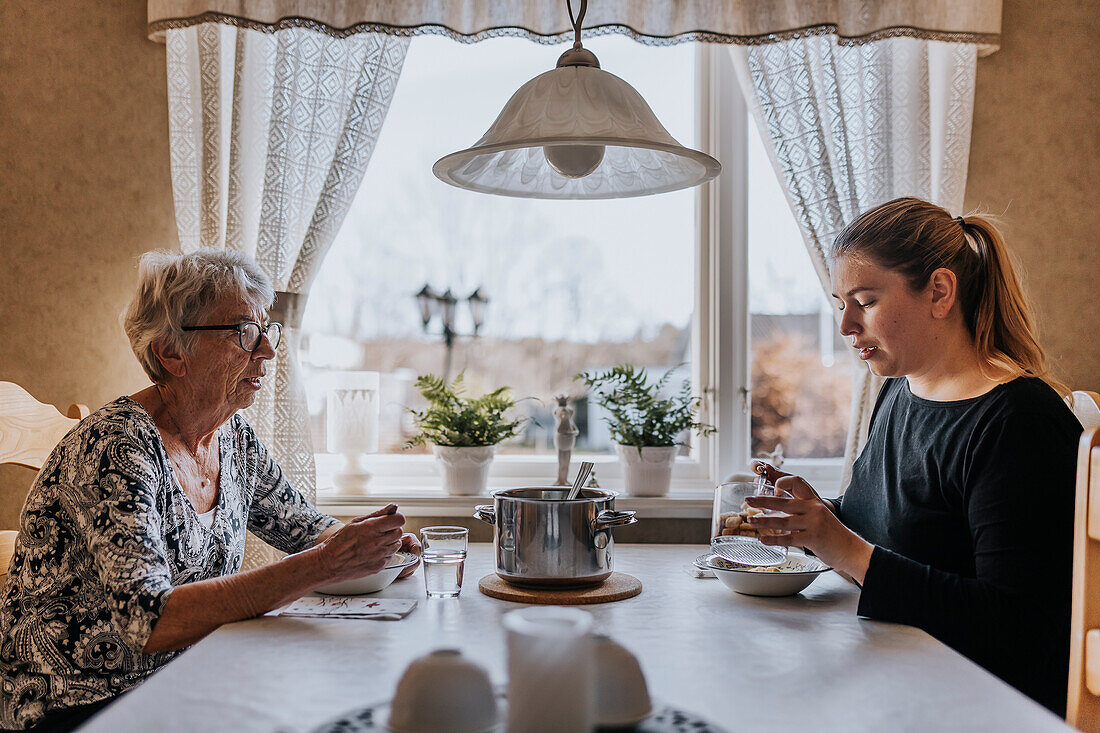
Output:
(351, 427)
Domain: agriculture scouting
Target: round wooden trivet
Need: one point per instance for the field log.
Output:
(617, 587)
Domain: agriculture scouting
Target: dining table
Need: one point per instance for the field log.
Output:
(806, 662)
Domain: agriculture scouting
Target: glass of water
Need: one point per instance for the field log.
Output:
(444, 557)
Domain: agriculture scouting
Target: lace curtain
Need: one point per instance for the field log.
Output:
(653, 22)
(849, 127)
(270, 137)
(275, 106)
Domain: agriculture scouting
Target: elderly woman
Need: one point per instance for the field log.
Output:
(132, 536)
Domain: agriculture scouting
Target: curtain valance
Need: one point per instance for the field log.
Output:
(653, 22)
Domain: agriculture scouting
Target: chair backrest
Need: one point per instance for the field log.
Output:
(1083, 702)
(29, 430)
(1086, 406)
(7, 547)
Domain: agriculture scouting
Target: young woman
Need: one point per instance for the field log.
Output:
(959, 515)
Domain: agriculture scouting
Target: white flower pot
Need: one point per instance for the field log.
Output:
(465, 469)
(647, 472)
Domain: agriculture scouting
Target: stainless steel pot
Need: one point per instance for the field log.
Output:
(543, 540)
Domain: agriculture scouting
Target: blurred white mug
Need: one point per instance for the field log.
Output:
(551, 670)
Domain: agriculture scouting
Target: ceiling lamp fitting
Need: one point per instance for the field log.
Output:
(576, 132)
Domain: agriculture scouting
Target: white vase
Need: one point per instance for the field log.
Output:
(647, 472)
(465, 469)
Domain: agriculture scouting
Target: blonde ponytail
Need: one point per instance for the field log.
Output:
(1002, 326)
(915, 237)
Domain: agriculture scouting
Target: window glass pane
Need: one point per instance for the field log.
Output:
(572, 285)
(801, 368)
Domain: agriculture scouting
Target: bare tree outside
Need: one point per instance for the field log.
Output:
(572, 285)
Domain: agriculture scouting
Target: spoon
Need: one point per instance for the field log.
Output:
(582, 476)
(761, 478)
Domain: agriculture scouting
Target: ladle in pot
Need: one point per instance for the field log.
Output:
(582, 476)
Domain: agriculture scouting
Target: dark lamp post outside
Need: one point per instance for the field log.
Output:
(432, 304)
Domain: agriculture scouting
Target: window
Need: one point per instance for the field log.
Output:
(801, 369)
(573, 285)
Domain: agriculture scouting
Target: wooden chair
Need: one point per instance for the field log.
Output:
(29, 430)
(1083, 703)
(1086, 406)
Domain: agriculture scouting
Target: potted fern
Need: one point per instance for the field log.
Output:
(464, 433)
(645, 426)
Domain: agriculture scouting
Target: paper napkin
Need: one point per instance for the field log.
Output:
(378, 609)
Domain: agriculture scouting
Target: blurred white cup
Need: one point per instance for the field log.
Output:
(622, 697)
(551, 670)
(444, 691)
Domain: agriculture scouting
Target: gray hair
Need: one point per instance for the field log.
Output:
(174, 289)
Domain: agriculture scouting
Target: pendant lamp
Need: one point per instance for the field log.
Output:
(576, 132)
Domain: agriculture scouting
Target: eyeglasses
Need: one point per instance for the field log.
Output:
(249, 333)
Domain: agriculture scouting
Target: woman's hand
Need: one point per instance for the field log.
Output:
(812, 524)
(362, 546)
(409, 543)
(342, 552)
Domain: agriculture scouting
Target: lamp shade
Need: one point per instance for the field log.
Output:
(449, 301)
(424, 301)
(602, 139)
(477, 301)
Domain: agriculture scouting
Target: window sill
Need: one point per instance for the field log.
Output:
(682, 504)
(420, 495)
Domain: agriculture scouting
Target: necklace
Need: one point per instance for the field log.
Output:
(203, 480)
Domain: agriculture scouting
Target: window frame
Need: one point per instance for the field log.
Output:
(721, 348)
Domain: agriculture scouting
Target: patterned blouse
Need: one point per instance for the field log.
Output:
(105, 535)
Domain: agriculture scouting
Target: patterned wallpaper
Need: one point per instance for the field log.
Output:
(1035, 157)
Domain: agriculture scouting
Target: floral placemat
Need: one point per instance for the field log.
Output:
(665, 719)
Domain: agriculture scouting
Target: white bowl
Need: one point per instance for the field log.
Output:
(794, 575)
(444, 691)
(371, 583)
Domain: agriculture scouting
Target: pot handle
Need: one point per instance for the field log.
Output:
(609, 518)
(486, 513)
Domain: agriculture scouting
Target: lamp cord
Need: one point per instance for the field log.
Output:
(576, 21)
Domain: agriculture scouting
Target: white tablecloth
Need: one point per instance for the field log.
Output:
(802, 663)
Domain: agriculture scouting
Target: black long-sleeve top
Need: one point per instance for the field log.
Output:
(970, 507)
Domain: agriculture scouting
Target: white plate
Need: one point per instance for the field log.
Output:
(797, 562)
(663, 719)
(383, 713)
(371, 583)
